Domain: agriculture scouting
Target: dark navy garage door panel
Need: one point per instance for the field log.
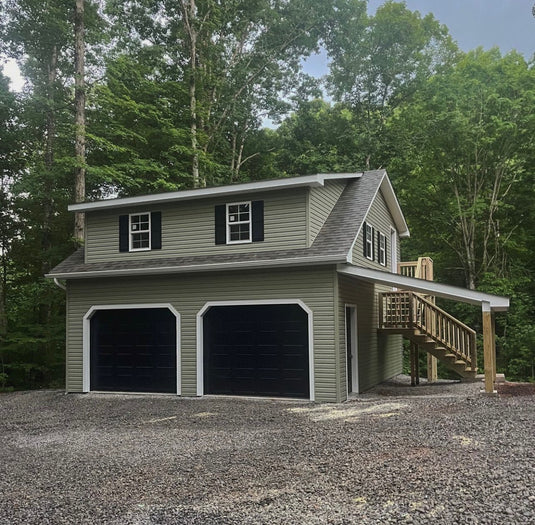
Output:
(259, 350)
(133, 350)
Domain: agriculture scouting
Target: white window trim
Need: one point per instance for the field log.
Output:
(130, 232)
(250, 222)
(200, 340)
(86, 340)
(382, 249)
(369, 241)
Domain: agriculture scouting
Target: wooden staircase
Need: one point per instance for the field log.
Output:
(430, 328)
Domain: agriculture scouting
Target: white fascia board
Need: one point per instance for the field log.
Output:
(394, 207)
(446, 291)
(219, 191)
(274, 263)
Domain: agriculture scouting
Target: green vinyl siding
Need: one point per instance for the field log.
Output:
(188, 227)
(380, 218)
(379, 357)
(321, 203)
(188, 294)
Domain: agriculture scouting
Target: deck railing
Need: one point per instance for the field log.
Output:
(408, 310)
(420, 269)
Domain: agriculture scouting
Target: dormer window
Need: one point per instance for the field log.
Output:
(139, 232)
(239, 222)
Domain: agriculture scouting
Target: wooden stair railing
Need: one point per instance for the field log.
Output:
(431, 327)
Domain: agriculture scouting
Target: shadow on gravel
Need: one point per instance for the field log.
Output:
(400, 386)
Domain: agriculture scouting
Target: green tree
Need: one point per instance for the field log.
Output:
(378, 61)
(238, 59)
(465, 140)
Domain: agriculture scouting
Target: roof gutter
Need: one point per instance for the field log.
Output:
(59, 285)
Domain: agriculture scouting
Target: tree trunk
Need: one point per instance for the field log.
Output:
(189, 11)
(50, 133)
(79, 102)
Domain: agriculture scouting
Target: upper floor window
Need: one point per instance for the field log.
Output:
(382, 249)
(239, 222)
(368, 242)
(139, 231)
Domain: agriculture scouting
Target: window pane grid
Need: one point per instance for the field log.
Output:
(239, 222)
(382, 249)
(140, 231)
(369, 242)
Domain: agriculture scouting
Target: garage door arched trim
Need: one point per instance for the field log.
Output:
(200, 334)
(86, 331)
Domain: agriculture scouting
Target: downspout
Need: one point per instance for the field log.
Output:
(60, 285)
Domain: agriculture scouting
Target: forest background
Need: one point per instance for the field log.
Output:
(131, 97)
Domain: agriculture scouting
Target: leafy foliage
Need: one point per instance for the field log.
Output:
(177, 93)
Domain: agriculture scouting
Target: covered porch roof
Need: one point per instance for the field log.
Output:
(488, 302)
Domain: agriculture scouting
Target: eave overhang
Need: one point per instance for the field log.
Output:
(196, 268)
(218, 191)
(456, 293)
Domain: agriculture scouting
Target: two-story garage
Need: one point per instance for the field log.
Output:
(247, 289)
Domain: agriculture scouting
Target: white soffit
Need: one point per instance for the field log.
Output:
(218, 191)
(446, 291)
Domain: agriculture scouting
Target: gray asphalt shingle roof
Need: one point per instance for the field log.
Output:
(332, 244)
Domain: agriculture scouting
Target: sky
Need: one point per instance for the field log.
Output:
(508, 24)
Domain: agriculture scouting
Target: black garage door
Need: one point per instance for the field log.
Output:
(133, 350)
(259, 350)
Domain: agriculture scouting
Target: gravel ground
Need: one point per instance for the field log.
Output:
(430, 454)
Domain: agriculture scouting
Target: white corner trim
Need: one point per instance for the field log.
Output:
(253, 302)
(219, 191)
(86, 342)
(354, 348)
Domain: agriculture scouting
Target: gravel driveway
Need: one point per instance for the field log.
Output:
(432, 454)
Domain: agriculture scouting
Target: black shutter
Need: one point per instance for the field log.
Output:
(364, 229)
(258, 221)
(386, 251)
(156, 230)
(123, 233)
(221, 224)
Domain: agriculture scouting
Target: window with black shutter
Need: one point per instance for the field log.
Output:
(239, 222)
(140, 231)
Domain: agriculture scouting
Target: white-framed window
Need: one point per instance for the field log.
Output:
(139, 231)
(382, 249)
(369, 241)
(238, 222)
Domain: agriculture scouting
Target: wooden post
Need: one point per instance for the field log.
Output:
(417, 364)
(432, 374)
(489, 348)
(493, 331)
(413, 359)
